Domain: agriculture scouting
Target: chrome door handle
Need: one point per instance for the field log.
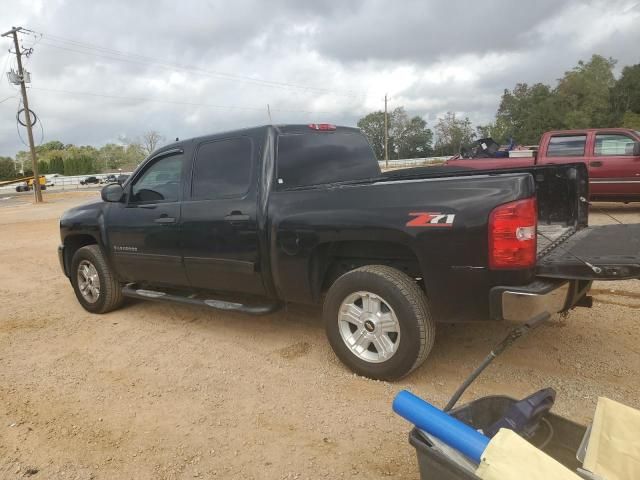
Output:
(165, 220)
(236, 217)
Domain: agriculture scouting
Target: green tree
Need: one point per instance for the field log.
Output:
(70, 166)
(631, 120)
(625, 95)
(43, 167)
(134, 153)
(525, 113)
(498, 130)
(53, 145)
(452, 134)
(111, 156)
(585, 93)
(79, 164)
(7, 168)
(80, 160)
(372, 125)
(409, 137)
(56, 164)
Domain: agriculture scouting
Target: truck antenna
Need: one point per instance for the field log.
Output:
(269, 113)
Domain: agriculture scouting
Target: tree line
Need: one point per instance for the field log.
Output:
(69, 159)
(587, 96)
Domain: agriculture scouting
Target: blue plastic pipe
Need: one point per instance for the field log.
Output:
(442, 426)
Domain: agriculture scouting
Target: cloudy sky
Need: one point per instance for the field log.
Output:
(104, 70)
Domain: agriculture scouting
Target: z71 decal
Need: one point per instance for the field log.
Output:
(431, 219)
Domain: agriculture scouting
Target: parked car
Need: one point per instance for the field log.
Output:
(90, 181)
(612, 156)
(110, 179)
(302, 214)
(50, 182)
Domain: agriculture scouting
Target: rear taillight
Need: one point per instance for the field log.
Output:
(322, 126)
(512, 235)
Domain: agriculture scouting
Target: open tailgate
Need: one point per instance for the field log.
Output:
(603, 252)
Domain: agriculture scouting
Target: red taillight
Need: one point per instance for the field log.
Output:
(512, 234)
(322, 126)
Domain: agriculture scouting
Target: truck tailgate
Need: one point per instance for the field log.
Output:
(606, 252)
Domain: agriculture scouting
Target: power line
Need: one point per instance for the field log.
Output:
(8, 98)
(219, 76)
(175, 102)
(56, 41)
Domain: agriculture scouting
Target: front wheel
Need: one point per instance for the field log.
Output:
(94, 284)
(378, 322)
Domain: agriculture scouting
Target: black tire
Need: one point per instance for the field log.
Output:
(110, 296)
(411, 307)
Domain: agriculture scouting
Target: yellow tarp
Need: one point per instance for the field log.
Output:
(614, 444)
(510, 457)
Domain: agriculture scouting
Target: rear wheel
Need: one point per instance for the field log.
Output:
(378, 322)
(95, 286)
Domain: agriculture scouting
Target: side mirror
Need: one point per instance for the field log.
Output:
(636, 149)
(112, 193)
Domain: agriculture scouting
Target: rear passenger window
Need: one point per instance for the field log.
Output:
(611, 145)
(320, 158)
(222, 169)
(567, 146)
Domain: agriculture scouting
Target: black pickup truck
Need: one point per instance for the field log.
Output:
(302, 213)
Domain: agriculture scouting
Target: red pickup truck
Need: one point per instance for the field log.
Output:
(612, 156)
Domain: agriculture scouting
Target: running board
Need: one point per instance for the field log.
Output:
(130, 291)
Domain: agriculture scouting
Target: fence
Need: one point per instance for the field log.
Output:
(411, 162)
(71, 182)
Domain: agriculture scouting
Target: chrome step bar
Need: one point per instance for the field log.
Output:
(265, 309)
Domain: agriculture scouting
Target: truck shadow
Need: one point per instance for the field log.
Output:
(298, 330)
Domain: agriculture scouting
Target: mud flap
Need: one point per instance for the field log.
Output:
(606, 252)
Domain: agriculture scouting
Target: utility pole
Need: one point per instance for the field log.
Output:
(27, 113)
(386, 134)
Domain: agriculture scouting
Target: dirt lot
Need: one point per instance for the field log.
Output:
(162, 391)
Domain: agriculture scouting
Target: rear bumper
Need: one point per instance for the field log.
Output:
(543, 295)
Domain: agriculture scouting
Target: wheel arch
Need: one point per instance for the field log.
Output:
(72, 243)
(330, 260)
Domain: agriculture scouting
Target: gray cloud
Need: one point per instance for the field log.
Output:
(430, 56)
(427, 31)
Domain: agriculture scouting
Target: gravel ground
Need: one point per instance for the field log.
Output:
(158, 391)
